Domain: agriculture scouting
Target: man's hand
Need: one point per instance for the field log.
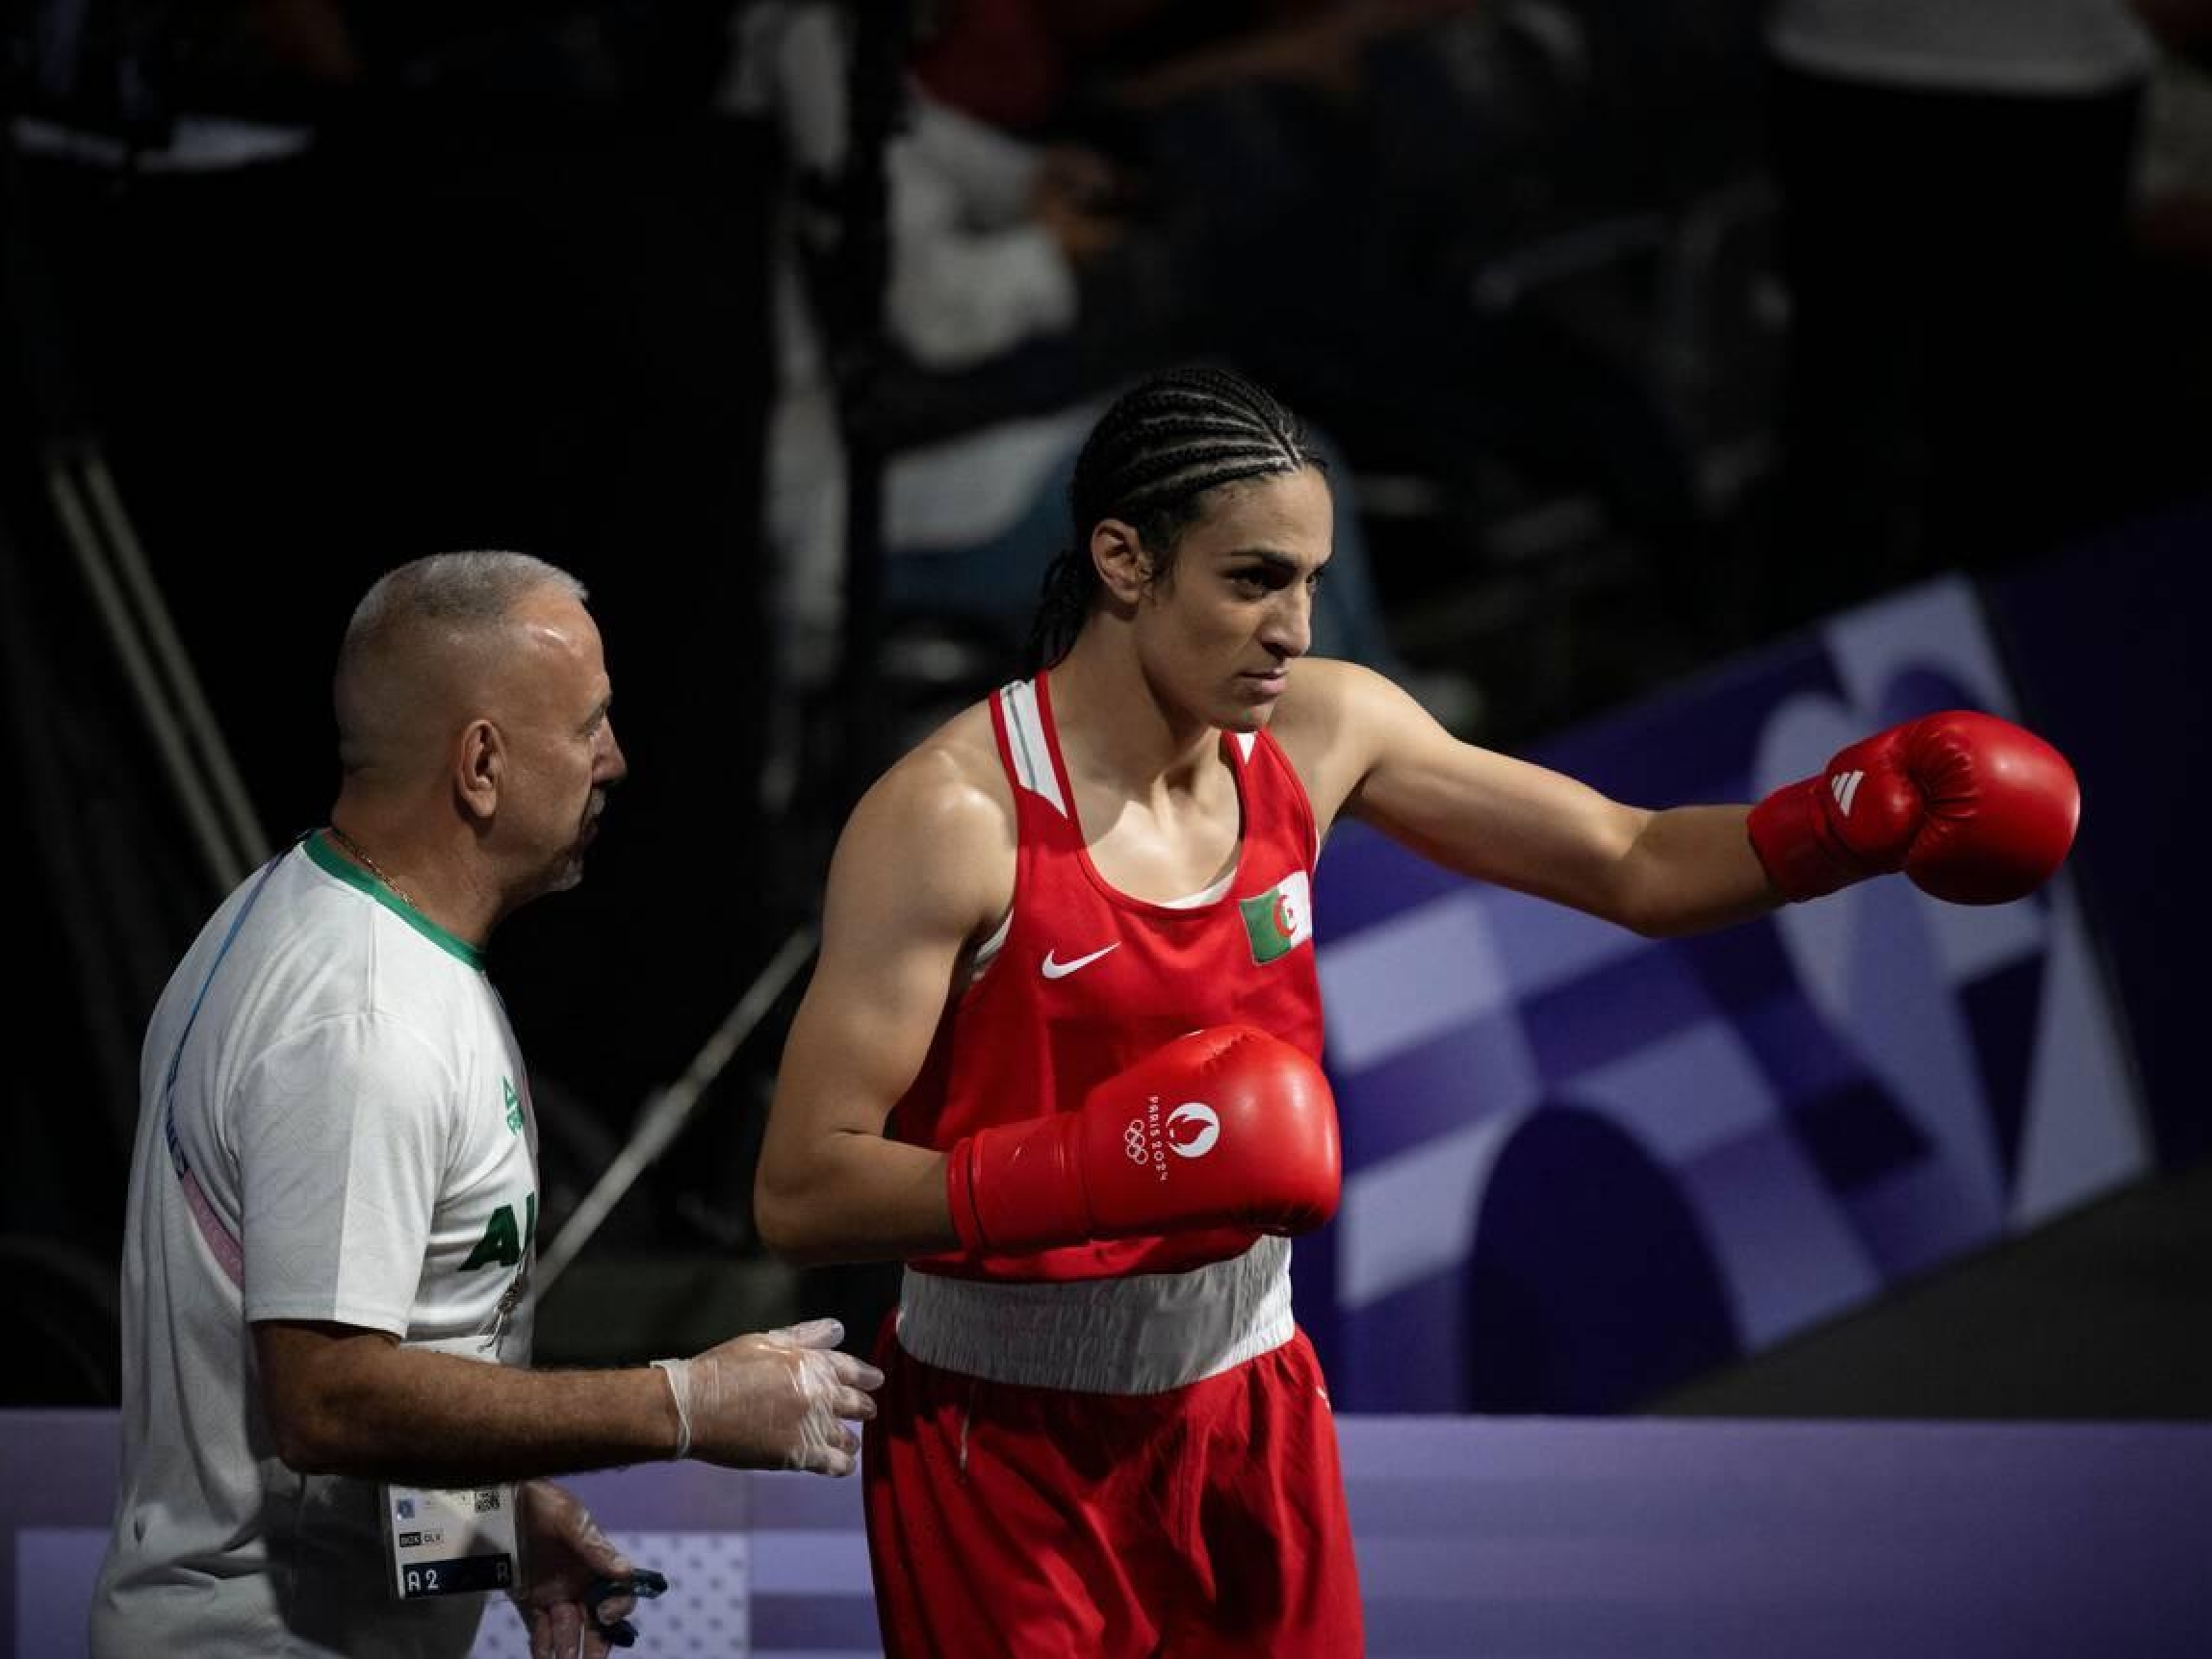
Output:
(777, 1399)
(563, 1550)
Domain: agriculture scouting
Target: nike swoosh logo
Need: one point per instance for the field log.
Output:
(1061, 970)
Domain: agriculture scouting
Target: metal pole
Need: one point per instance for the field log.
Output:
(227, 862)
(250, 844)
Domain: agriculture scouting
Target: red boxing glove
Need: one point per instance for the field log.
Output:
(1226, 1127)
(1972, 809)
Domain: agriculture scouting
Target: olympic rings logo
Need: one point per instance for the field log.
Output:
(1132, 1141)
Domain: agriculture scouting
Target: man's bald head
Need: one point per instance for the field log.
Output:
(423, 647)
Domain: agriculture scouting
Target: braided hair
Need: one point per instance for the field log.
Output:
(1150, 461)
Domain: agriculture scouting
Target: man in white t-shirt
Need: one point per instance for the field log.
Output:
(327, 1326)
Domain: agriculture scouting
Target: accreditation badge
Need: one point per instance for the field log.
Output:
(456, 1541)
(450, 1543)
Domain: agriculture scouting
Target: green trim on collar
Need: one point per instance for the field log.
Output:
(318, 848)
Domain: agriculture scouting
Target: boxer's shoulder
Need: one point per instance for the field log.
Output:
(949, 791)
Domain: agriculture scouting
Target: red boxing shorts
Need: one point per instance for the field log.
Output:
(1045, 1523)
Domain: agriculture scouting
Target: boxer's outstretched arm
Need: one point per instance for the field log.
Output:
(1368, 751)
(1971, 808)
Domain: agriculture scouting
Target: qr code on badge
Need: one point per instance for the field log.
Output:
(487, 1499)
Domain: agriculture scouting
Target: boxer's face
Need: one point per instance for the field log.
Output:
(1218, 632)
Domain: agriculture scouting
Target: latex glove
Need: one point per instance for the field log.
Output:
(775, 1400)
(563, 1550)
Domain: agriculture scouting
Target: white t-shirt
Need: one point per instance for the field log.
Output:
(351, 1104)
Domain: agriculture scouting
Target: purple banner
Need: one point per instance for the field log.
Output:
(1527, 1538)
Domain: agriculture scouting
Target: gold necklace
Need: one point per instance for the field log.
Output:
(360, 855)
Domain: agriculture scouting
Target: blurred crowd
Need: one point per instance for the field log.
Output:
(1780, 302)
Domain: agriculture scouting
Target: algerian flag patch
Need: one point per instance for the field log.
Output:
(1280, 919)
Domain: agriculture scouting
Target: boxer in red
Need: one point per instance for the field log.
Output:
(1061, 1055)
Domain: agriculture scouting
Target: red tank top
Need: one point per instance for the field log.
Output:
(1089, 980)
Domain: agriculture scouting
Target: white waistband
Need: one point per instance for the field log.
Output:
(1141, 1335)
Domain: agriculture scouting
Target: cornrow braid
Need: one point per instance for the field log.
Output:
(1150, 462)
